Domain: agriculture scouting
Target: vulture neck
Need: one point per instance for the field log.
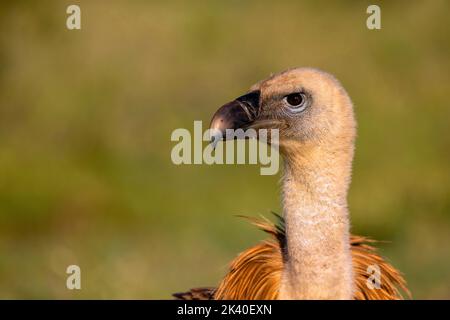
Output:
(318, 263)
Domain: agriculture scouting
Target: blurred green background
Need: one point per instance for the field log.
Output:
(86, 118)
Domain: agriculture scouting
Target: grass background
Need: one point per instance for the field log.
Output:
(86, 118)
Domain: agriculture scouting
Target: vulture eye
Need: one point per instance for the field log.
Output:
(296, 101)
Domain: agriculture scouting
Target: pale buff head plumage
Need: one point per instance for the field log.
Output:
(315, 119)
(323, 120)
(324, 114)
(320, 131)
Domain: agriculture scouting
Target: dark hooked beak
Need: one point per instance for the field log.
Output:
(237, 114)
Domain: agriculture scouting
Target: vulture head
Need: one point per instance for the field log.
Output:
(309, 107)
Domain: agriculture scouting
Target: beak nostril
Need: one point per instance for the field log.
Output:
(237, 114)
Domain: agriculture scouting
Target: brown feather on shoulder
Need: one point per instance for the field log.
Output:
(255, 274)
